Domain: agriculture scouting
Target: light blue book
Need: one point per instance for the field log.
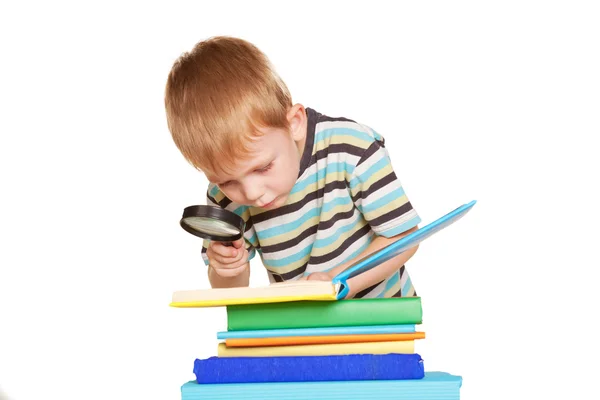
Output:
(434, 386)
(397, 247)
(341, 330)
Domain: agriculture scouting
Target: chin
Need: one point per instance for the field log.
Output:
(276, 203)
(271, 205)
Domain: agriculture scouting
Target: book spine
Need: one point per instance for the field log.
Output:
(321, 314)
(434, 385)
(331, 339)
(308, 368)
(397, 347)
(338, 330)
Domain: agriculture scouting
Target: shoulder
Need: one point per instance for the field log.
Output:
(341, 139)
(216, 197)
(337, 129)
(214, 193)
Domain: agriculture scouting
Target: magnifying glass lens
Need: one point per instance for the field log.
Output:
(213, 223)
(211, 226)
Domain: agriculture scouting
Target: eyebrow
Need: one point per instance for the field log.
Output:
(262, 164)
(256, 166)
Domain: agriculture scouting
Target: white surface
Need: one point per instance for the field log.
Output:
(497, 103)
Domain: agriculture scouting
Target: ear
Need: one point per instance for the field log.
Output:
(296, 117)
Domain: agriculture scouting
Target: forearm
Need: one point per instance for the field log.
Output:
(380, 272)
(241, 280)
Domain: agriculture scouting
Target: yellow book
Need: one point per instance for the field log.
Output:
(273, 293)
(402, 347)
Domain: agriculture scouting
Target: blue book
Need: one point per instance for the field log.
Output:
(308, 368)
(397, 247)
(331, 331)
(433, 386)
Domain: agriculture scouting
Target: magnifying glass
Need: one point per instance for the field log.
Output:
(213, 223)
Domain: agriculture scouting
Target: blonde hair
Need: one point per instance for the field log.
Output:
(217, 96)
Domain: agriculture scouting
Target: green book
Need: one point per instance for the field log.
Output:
(317, 314)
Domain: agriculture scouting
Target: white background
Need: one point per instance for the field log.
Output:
(493, 101)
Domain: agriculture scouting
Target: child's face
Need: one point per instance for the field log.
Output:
(266, 178)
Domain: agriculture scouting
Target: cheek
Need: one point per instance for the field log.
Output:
(233, 195)
(274, 181)
(288, 174)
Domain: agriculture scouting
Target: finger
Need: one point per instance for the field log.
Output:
(319, 276)
(212, 255)
(222, 250)
(231, 270)
(229, 273)
(238, 243)
(228, 262)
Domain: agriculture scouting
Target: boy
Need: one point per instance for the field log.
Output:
(317, 193)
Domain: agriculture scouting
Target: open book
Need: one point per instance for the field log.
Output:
(314, 290)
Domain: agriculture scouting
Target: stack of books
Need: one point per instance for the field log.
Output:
(313, 328)
(302, 340)
(294, 346)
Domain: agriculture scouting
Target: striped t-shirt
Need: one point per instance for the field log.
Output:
(346, 193)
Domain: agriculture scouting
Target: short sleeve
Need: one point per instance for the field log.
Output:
(214, 197)
(378, 194)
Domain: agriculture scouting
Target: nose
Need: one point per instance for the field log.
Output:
(251, 190)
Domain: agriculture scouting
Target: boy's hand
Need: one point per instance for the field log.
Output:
(227, 261)
(318, 276)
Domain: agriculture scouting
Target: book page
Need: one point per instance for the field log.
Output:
(278, 289)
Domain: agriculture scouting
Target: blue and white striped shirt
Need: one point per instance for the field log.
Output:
(346, 193)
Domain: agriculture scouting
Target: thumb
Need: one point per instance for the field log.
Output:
(319, 276)
(238, 243)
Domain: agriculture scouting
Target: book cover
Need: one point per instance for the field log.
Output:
(320, 314)
(308, 368)
(329, 339)
(274, 293)
(336, 330)
(399, 347)
(434, 385)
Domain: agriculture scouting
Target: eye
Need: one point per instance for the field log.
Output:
(265, 168)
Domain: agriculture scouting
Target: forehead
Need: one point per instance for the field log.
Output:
(259, 151)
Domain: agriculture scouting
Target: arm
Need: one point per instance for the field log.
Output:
(228, 266)
(380, 198)
(218, 281)
(375, 275)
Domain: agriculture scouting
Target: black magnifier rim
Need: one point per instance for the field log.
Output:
(214, 213)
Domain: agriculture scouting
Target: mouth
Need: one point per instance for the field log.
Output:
(269, 204)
